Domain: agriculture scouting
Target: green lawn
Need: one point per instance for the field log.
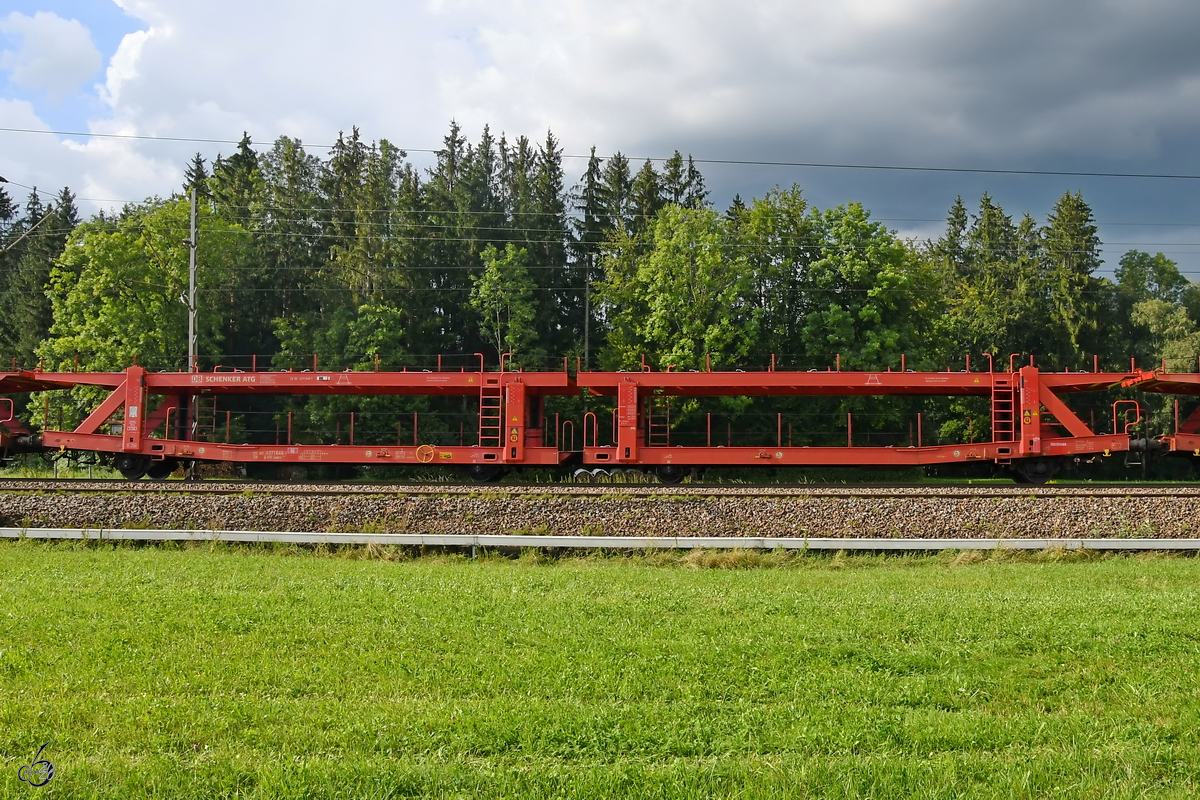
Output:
(190, 673)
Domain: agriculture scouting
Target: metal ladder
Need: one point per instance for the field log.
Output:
(1004, 412)
(206, 415)
(658, 421)
(491, 415)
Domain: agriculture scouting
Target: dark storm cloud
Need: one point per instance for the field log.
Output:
(1109, 86)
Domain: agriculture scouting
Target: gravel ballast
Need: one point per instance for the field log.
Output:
(629, 511)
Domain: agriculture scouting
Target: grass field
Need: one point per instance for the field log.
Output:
(198, 673)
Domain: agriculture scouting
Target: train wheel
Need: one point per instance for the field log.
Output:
(132, 467)
(161, 470)
(669, 474)
(1035, 470)
(485, 473)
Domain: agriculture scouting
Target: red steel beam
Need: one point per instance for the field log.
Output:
(133, 387)
(103, 411)
(857, 456)
(832, 383)
(306, 454)
(296, 383)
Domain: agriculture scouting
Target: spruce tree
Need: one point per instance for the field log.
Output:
(736, 214)
(8, 210)
(559, 304)
(674, 179)
(1070, 255)
(695, 195)
(952, 247)
(236, 184)
(991, 237)
(617, 190)
(452, 251)
(589, 234)
(196, 177)
(290, 239)
(646, 197)
(26, 310)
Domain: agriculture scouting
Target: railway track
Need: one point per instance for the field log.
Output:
(262, 488)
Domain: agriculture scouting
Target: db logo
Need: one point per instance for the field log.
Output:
(196, 378)
(39, 772)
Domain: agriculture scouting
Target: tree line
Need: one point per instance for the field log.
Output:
(359, 258)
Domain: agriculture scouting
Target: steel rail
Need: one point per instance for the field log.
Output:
(503, 541)
(647, 490)
(650, 490)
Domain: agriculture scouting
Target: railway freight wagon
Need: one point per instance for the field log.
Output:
(145, 425)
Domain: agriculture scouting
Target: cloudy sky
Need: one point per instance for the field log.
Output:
(1056, 85)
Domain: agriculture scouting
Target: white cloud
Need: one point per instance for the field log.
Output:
(55, 56)
(1020, 83)
(922, 79)
(122, 67)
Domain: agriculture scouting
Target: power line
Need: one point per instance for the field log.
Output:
(723, 161)
(452, 212)
(498, 236)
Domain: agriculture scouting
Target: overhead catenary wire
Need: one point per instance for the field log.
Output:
(571, 220)
(503, 238)
(727, 161)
